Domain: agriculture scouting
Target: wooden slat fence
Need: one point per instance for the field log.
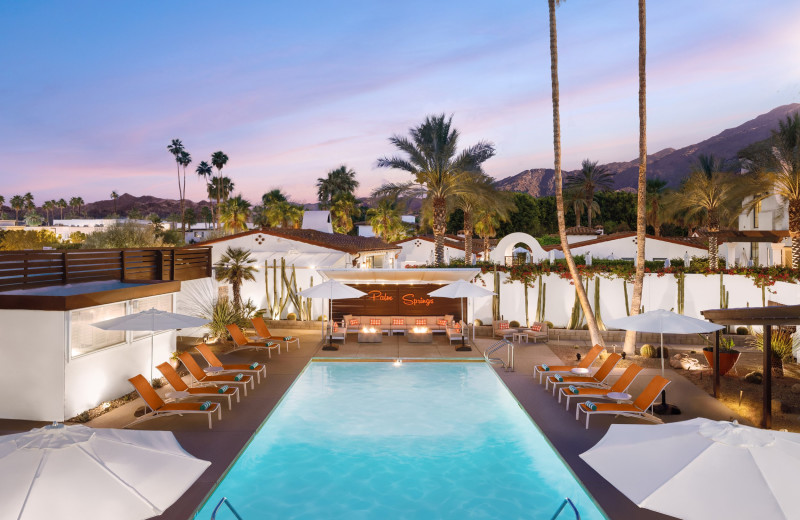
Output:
(25, 269)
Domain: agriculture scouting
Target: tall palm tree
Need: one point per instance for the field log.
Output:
(76, 202)
(29, 204)
(176, 149)
(234, 267)
(486, 224)
(234, 214)
(221, 187)
(205, 172)
(386, 220)
(641, 192)
(712, 194)
(184, 160)
(491, 210)
(62, 204)
(2, 201)
(586, 181)
(48, 206)
(261, 216)
(778, 173)
(114, 197)
(594, 330)
(338, 181)
(656, 190)
(17, 204)
(219, 160)
(283, 214)
(481, 192)
(343, 209)
(439, 170)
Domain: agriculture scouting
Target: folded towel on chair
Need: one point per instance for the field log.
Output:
(573, 389)
(590, 405)
(287, 338)
(223, 389)
(238, 377)
(206, 405)
(545, 368)
(558, 378)
(254, 365)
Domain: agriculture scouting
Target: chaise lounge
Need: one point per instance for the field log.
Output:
(620, 386)
(178, 384)
(161, 409)
(216, 365)
(638, 409)
(586, 362)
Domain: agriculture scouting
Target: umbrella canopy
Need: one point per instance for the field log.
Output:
(332, 290)
(461, 289)
(56, 472)
(151, 319)
(700, 469)
(664, 322)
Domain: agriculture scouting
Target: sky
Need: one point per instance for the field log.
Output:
(91, 93)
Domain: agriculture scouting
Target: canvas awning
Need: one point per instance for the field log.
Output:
(400, 276)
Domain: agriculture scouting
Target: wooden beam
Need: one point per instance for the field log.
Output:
(766, 421)
(716, 364)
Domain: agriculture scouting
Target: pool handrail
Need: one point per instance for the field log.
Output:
(563, 505)
(230, 506)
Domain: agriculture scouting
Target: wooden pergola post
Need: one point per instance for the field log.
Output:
(766, 419)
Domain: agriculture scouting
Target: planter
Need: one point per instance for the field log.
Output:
(726, 359)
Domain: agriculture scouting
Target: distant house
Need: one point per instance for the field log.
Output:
(420, 249)
(762, 238)
(622, 246)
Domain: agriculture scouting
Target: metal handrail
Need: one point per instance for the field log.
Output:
(509, 363)
(563, 505)
(230, 506)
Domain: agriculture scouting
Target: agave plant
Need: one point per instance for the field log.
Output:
(782, 348)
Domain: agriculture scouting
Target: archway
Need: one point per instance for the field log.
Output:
(505, 248)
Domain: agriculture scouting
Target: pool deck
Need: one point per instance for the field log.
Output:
(221, 444)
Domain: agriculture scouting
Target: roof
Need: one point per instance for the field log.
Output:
(581, 230)
(747, 236)
(690, 242)
(335, 241)
(453, 241)
(401, 276)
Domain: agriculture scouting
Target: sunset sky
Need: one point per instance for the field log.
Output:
(91, 93)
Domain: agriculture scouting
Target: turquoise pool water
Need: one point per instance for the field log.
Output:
(371, 440)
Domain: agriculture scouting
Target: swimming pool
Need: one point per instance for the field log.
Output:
(373, 440)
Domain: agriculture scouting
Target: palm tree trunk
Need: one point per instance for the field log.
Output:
(486, 248)
(439, 226)
(794, 231)
(629, 346)
(237, 295)
(594, 331)
(219, 192)
(589, 213)
(183, 202)
(468, 237)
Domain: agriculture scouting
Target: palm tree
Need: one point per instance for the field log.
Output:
(486, 224)
(481, 191)
(585, 182)
(343, 209)
(778, 173)
(234, 214)
(2, 201)
(219, 160)
(272, 196)
(206, 215)
(235, 266)
(29, 204)
(439, 171)
(629, 346)
(222, 188)
(184, 160)
(339, 181)
(114, 197)
(260, 213)
(712, 194)
(490, 211)
(283, 214)
(386, 220)
(176, 149)
(62, 204)
(76, 202)
(205, 172)
(656, 190)
(48, 206)
(594, 330)
(17, 204)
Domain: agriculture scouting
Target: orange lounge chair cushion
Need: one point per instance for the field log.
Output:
(612, 407)
(573, 379)
(588, 390)
(557, 368)
(194, 407)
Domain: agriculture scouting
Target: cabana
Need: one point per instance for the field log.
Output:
(767, 317)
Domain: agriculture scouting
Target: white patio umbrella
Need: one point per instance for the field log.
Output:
(461, 289)
(663, 322)
(332, 290)
(76, 471)
(151, 320)
(701, 469)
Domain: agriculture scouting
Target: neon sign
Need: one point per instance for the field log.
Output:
(411, 299)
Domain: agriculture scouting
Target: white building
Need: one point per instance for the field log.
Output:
(420, 250)
(763, 236)
(622, 246)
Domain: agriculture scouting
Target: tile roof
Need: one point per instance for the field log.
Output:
(336, 241)
(684, 241)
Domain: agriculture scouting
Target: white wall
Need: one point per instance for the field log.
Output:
(625, 247)
(33, 351)
(421, 252)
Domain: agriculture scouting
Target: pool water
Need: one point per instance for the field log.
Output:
(373, 440)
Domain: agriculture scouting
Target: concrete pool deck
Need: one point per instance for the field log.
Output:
(222, 444)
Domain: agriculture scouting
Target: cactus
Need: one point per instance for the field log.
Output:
(496, 297)
(681, 278)
(540, 300)
(723, 294)
(525, 285)
(648, 351)
(576, 318)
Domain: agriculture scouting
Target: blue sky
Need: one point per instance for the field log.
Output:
(92, 92)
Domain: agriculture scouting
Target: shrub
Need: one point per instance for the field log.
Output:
(549, 324)
(124, 235)
(648, 351)
(742, 331)
(203, 301)
(754, 377)
(514, 324)
(82, 417)
(157, 383)
(291, 316)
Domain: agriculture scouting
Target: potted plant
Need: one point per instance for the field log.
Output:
(728, 356)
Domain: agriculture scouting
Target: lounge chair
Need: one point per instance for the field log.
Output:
(213, 361)
(456, 333)
(161, 409)
(201, 377)
(597, 379)
(178, 384)
(264, 334)
(621, 385)
(335, 332)
(501, 329)
(586, 362)
(243, 343)
(637, 409)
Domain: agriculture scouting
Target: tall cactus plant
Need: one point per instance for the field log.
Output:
(681, 278)
(540, 300)
(496, 297)
(724, 295)
(600, 324)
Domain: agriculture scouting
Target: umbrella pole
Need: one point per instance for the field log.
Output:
(464, 347)
(664, 408)
(327, 339)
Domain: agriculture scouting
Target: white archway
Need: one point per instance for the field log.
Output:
(506, 245)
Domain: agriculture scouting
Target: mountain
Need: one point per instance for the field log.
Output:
(669, 164)
(145, 204)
